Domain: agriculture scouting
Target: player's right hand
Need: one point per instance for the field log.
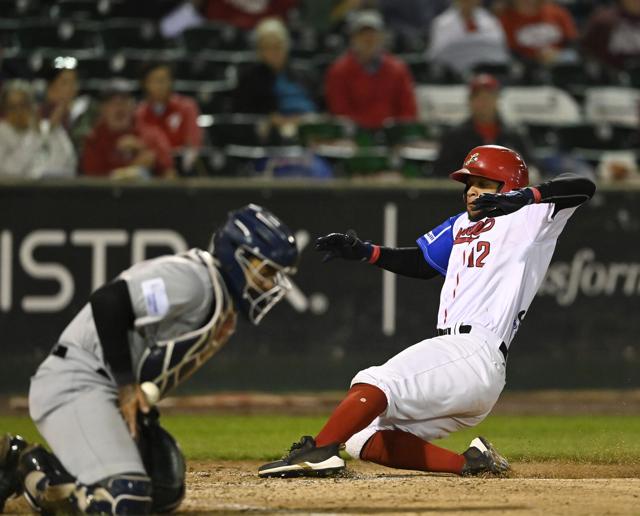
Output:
(343, 245)
(130, 400)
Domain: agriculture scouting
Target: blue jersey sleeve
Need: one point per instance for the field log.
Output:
(436, 245)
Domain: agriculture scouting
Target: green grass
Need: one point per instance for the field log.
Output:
(597, 439)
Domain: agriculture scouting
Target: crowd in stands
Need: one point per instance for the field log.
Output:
(172, 88)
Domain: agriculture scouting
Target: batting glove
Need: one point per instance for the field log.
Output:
(344, 245)
(499, 204)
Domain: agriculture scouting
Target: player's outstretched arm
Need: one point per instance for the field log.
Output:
(404, 261)
(565, 191)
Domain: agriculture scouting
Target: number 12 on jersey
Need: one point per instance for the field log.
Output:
(478, 255)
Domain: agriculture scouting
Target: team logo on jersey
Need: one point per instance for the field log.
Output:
(471, 233)
(472, 159)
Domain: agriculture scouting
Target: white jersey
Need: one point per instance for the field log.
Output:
(493, 267)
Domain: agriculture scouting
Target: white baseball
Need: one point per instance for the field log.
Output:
(151, 392)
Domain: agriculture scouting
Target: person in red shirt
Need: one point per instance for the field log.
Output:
(367, 84)
(539, 31)
(246, 15)
(483, 127)
(120, 148)
(175, 115)
(612, 34)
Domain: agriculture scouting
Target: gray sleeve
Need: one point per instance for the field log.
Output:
(165, 288)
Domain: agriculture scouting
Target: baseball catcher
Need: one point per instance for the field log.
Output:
(157, 322)
(493, 257)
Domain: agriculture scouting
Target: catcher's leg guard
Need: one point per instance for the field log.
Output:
(10, 449)
(47, 485)
(120, 494)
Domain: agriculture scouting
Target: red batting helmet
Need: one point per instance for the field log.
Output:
(496, 163)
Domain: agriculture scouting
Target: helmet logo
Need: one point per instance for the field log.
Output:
(472, 159)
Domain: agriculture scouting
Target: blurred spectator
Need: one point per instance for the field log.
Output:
(120, 148)
(367, 84)
(61, 105)
(612, 35)
(173, 114)
(328, 14)
(539, 31)
(30, 148)
(248, 13)
(413, 16)
(272, 86)
(483, 127)
(466, 35)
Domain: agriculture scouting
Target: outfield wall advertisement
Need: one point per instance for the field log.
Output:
(58, 243)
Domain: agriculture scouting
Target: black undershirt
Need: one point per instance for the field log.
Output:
(113, 316)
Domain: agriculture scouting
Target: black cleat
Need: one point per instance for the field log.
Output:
(10, 449)
(482, 458)
(305, 459)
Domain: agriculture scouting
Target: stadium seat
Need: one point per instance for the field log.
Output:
(502, 71)
(612, 105)
(406, 133)
(573, 77)
(443, 105)
(324, 130)
(544, 105)
(407, 43)
(425, 72)
(19, 9)
(235, 130)
(589, 141)
(80, 9)
(21, 67)
(214, 37)
(9, 36)
(51, 36)
(203, 68)
(134, 34)
(305, 43)
(365, 162)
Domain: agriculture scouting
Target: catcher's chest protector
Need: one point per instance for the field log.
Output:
(168, 363)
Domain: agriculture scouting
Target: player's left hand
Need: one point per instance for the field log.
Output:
(131, 399)
(498, 204)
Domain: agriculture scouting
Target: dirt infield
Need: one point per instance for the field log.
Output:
(533, 488)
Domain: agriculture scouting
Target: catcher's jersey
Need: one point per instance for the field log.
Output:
(493, 267)
(171, 296)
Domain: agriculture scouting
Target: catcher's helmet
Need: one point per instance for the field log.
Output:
(496, 163)
(256, 252)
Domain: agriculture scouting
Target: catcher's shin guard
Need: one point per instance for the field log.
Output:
(120, 494)
(10, 449)
(47, 485)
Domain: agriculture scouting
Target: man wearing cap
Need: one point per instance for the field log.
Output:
(120, 148)
(367, 84)
(483, 127)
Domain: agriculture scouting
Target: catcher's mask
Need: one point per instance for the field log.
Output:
(257, 253)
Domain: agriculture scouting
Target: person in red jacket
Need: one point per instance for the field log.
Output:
(539, 31)
(175, 115)
(120, 148)
(367, 84)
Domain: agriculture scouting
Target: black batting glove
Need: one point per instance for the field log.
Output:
(344, 245)
(499, 204)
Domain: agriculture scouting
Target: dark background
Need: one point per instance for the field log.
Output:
(591, 343)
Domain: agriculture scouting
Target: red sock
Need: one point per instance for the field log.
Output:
(362, 404)
(402, 450)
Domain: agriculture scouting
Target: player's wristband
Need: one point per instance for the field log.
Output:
(537, 196)
(375, 254)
